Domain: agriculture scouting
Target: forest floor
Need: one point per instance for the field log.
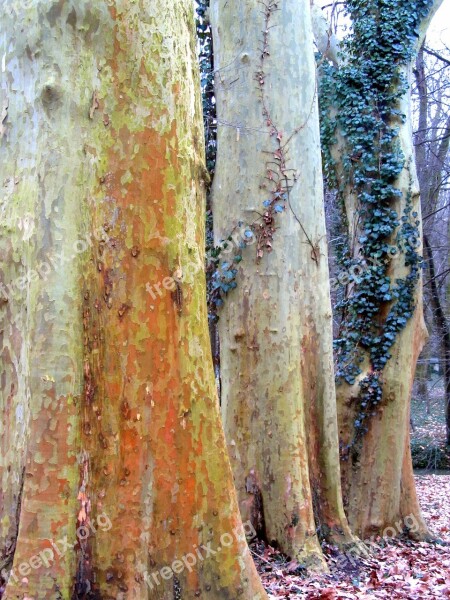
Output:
(395, 568)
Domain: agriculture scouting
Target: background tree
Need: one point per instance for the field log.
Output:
(432, 138)
(278, 398)
(109, 384)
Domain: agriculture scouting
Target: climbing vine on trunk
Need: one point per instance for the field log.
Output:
(279, 176)
(365, 92)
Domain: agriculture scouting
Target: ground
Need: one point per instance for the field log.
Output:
(395, 568)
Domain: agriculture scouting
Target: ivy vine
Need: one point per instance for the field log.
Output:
(360, 100)
(223, 259)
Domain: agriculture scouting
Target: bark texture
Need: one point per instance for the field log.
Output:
(378, 488)
(108, 385)
(278, 398)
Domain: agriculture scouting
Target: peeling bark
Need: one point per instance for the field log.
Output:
(278, 395)
(379, 488)
(104, 144)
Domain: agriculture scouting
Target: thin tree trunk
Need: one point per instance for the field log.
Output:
(103, 144)
(278, 396)
(422, 378)
(443, 333)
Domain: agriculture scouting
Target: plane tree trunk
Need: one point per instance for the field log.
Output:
(115, 482)
(367, 139)
(278, 398)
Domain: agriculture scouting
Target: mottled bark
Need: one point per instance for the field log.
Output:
(278, 396)
(107, 348)
(379, 489)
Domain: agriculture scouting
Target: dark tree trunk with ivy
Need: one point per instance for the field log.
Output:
(367, 141)
(206, 62)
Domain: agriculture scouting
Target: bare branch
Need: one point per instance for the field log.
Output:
(437, 55)
(326, 41)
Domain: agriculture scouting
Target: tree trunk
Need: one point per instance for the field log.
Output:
(109, 384)
(379, 489)
(278, 396)
(378, 483)
(422, 376)
(443, 333)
